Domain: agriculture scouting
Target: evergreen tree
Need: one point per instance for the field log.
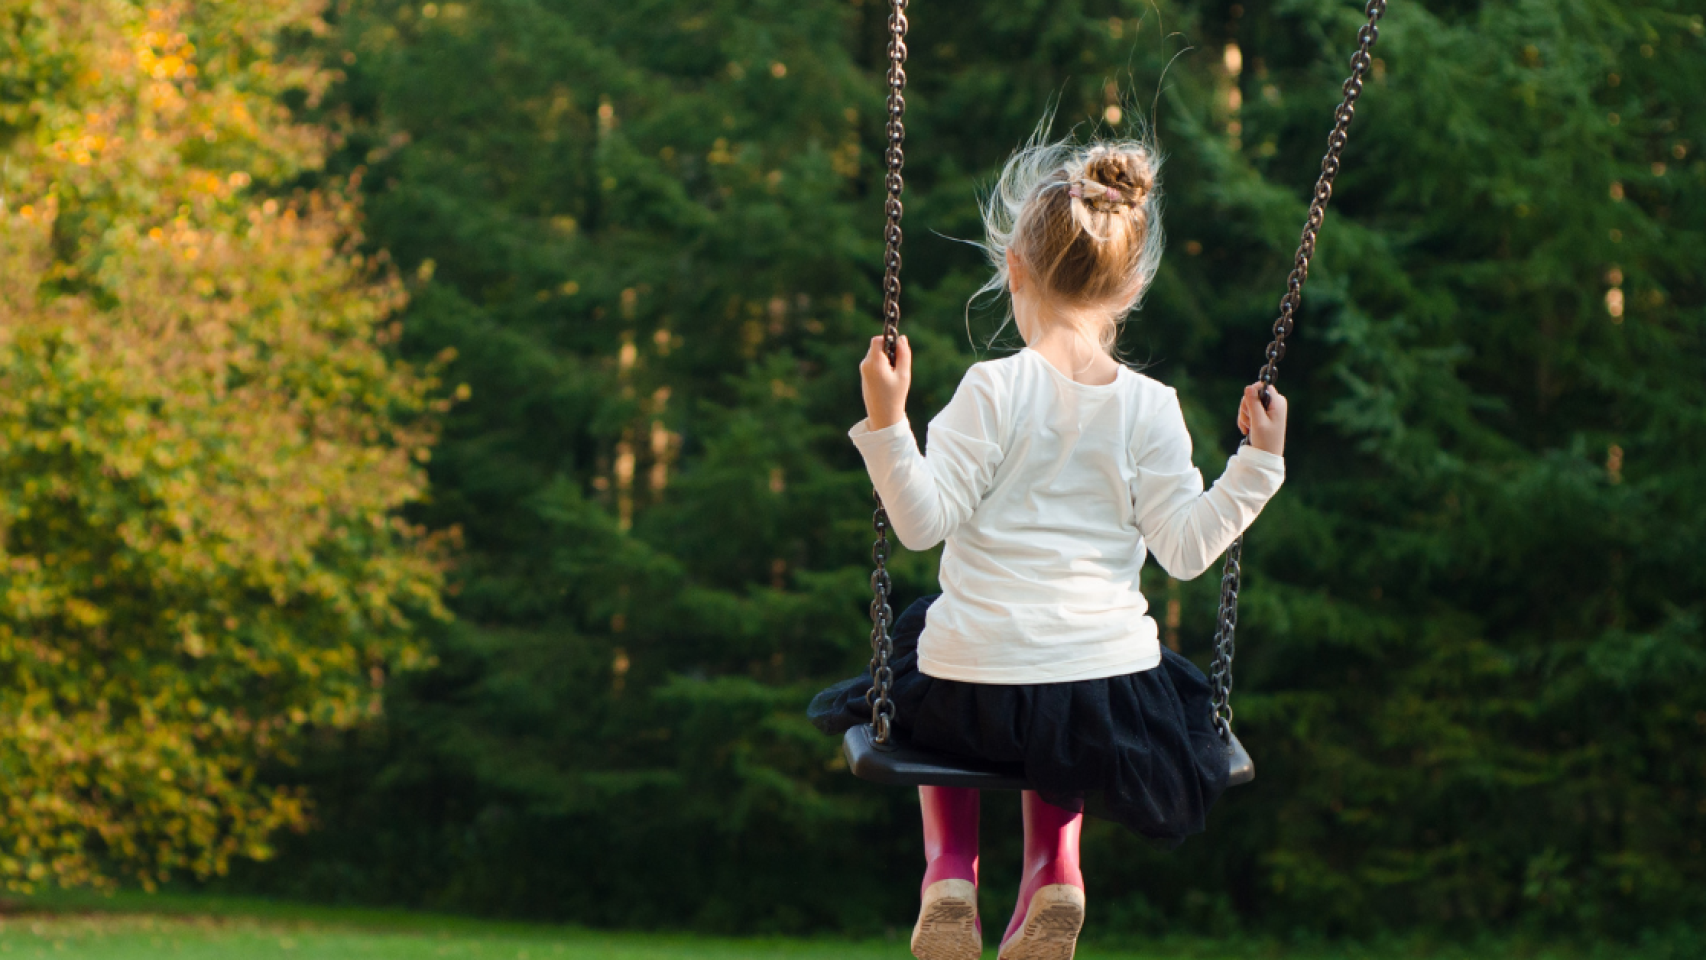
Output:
(1471, 635)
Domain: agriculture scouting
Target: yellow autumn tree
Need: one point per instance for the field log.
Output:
(203, 443)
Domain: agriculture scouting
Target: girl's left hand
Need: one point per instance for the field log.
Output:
(885, 385)
(1265, 426)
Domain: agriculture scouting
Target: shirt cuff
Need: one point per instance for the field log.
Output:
(1262, 458)
(1262, 472)
(862, 434)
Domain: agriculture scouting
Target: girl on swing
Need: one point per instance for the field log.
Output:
(1051, 475)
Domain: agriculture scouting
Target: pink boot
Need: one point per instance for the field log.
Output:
(948, 928)
(1050, 911)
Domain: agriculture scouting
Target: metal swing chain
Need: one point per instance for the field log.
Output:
(1226, 623)
(882, 614)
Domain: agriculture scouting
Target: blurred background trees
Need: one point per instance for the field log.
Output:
(203, 443)
(1472, 643)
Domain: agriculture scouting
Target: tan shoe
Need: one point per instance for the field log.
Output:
(947, 923)
(1050, 930)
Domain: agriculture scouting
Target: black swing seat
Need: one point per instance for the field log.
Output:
(902, 764)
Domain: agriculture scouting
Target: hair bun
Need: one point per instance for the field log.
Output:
(1130, 172)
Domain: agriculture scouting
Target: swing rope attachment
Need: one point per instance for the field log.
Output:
(1226, 623)
(882, 613)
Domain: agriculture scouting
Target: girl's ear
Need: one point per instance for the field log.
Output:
(1016, 275)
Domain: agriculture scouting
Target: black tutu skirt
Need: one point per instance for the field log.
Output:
(1139, 749)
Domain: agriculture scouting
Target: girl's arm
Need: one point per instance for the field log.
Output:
(1184, 527)
(927, 497)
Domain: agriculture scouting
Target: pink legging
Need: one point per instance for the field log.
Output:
(950, 842)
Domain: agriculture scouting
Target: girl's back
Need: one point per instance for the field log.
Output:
(1050, 493)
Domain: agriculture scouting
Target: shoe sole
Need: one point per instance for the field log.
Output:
(947, 923)
(1050, 930)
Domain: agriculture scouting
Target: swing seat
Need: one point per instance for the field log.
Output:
(902, 764)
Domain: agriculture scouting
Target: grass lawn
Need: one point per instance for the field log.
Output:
(134, 926)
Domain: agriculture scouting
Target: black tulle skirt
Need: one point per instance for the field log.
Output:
(1139, 749)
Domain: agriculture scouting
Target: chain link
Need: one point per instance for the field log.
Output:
(1226, 623)
(882, 614)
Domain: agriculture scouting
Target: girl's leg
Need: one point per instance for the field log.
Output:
(1051, 893)
(950, 833)
(1051, 844)
(948, 928)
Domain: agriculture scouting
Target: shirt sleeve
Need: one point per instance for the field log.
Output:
(929, 495)
(1185, 528)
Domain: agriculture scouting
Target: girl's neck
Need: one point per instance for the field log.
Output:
(1057, 340)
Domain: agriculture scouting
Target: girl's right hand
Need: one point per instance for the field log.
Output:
(885, 384)
(1265, 426)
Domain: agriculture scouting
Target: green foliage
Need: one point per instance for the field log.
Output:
(1472, 642)
(203, 446)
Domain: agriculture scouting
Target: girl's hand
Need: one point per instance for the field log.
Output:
(1264, 425)
(884, 385)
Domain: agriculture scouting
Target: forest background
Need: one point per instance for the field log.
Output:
(424, 482)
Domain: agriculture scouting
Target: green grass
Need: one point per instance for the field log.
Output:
(132, 937)
(135, 926)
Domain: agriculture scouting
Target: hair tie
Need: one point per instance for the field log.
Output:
(1098, 196)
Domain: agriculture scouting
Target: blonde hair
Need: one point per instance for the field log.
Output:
(1086, 221)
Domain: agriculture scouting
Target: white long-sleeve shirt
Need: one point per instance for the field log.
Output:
(1050, 493)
